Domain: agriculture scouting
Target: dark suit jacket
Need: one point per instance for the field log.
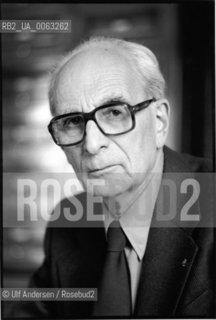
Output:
(177, 269)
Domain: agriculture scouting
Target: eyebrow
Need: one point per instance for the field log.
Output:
(108, 100)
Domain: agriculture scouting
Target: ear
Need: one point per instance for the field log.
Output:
(162, 113)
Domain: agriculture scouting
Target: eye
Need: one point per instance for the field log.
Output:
(72, 121)
(114, 112)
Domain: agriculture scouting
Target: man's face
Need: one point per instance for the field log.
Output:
(120, 163)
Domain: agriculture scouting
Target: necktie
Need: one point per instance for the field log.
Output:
(114, 289)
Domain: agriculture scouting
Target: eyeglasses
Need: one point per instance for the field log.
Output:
(112, 119)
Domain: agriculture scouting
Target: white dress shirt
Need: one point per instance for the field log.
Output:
(135, 219)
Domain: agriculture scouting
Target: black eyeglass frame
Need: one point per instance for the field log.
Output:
(91, 116)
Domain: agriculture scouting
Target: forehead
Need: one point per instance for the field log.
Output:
(91, 78)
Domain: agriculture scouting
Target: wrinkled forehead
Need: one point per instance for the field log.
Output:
(95, 61)
(87, 70)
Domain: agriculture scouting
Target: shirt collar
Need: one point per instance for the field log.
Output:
(136, 218)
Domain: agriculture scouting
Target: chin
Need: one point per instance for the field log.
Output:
(106, 188)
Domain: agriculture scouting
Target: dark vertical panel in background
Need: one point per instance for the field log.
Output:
(197, 43)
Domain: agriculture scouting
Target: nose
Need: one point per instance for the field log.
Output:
(95, 140)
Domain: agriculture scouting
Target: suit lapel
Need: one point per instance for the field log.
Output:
(170, 250)
(167, 262)
(82, 267)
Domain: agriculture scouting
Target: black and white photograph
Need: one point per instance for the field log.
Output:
(108, 156)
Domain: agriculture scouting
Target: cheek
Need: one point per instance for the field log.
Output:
(73, 157)
(143, 152)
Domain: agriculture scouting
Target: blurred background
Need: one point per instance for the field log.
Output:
(181, 36)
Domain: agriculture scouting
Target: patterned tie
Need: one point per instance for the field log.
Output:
(114, 290)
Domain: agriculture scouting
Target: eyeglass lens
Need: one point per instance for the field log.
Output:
(111, 120)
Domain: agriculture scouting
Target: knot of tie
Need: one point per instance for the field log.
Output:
(116, 239)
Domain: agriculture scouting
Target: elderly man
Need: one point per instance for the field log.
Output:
(111, 119)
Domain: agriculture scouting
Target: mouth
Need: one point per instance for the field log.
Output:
(101, 171)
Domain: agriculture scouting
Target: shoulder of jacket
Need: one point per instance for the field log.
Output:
(182, 162)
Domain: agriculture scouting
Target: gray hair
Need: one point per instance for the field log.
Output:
(140, 57)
